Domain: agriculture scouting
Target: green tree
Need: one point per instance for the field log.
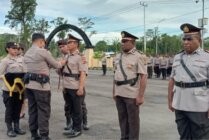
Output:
(22, 13)
(206, 43)
(41, 26)
(86, 24)
(57, 22)
(101, 46)
(4, 38)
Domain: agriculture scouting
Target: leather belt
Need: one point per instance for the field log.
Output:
(130, 81)
(191, 85)
(76, 76)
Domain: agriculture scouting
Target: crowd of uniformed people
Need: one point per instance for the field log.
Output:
(28, 77)
(159, 65)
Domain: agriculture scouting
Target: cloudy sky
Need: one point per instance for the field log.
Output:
(112, 16)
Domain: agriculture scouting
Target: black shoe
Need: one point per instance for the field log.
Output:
(19, 131)
(35, 136)
(68, 127)
(85, 127)
(68, 132)
(74, 134)
(11, 133)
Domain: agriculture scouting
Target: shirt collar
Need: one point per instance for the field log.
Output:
(197, 51)
(75, 52)
(11, 57)
(132, 51)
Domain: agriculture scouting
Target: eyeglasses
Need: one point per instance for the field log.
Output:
(124, 40)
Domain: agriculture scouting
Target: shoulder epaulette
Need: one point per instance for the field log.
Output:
(207, 51)
(139, 51)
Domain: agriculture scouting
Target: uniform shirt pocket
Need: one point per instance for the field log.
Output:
(131, 66)
(199, 67)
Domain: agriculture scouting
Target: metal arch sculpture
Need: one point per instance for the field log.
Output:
(69, 26)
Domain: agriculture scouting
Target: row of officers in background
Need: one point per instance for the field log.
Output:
(160, 64)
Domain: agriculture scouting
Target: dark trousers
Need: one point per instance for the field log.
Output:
(104, 69)
(163, 71)
(192, 125)
(68, 109)
(157, 71)
(169, 70)
(149, 71)
(75, 107)
(39, 111)
(13, 107)
(84, 108)
(128, 114)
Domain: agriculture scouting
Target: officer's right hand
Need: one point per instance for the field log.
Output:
(63, 61)
(80, 92)
(170, 107)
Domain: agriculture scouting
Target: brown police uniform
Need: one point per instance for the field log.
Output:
(71, 73)
(191, 92)
(156, 66)
(104, 65)
(170, 63)
(150, 66)
(163, 66)
(38, 60)
(127, 87)
(10, 68)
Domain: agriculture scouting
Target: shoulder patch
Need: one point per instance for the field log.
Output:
(83, 59)
(140, 52)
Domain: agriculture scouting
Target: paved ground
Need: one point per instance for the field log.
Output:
(157, 122)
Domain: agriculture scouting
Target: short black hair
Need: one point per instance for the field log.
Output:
(36, 36)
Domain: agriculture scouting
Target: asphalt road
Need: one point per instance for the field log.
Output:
(157, 122)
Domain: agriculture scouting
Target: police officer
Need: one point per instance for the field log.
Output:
(156, 66)
(104, 64)
(170, 63)
(163, 66)
(128, 91)
(38, 60)
(150, 66)
(74, 74)
(12, 68)
(62, 44)
(188, 93)
(20, 53)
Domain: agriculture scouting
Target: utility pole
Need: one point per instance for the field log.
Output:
(202, 22)
(156, 38)
(203, 7)
(145, 40)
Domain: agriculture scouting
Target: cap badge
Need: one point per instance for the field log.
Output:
(186, 29)
(123, 35)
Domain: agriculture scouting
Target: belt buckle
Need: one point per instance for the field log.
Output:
(182, 85)
(206, 85)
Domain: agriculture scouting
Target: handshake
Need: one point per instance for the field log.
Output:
(63, 62)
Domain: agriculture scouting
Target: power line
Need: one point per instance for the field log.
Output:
(134, 27)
